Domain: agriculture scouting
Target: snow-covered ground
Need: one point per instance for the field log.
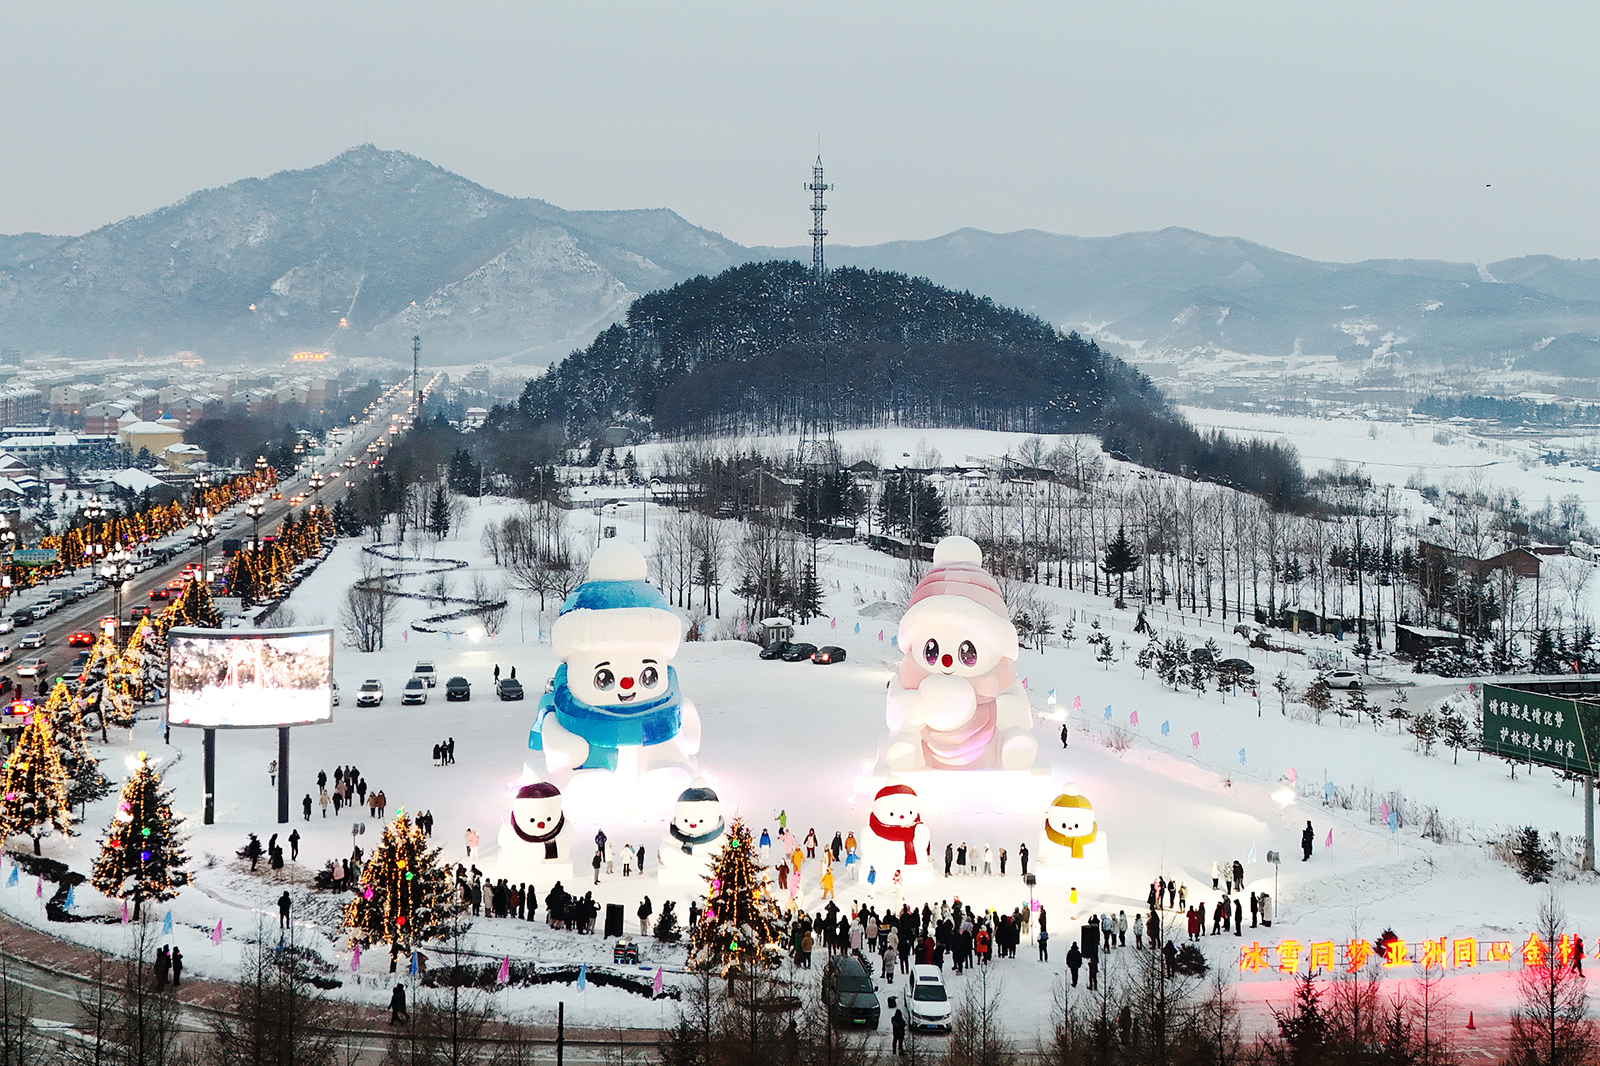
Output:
(802, 738)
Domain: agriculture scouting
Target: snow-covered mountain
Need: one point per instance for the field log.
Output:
(356, 254)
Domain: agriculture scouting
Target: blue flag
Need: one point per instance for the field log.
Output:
(166, 921)
(858, 629)
(1166, 727)
(413, 962)
(1108, 712)
(1252, 856)
(13, 878)
(1241, 755)
(895, 640)
(1394, 822)
(70, 896)
(1327, 791)
(583, 977)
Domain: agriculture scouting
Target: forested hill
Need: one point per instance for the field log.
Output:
(759, 347)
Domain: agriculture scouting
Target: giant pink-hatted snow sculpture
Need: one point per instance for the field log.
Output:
(955, 703)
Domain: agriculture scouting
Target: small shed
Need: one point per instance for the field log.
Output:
(776, 630)
(1417, 641)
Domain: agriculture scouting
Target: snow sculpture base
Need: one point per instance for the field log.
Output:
(1056, 868)
(623, 795)
(966, 791)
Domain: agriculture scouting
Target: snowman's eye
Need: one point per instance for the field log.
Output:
(930, 651)
(604, 680)
(649, 676)
(968, 653)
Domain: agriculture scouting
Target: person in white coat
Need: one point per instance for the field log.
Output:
(988, 861)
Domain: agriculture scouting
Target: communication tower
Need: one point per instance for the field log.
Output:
(817, 188)
(416, 393)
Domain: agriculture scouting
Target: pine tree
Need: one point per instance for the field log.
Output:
(739, 929)
(193, 608)
(85, 782)
(100, 701)
(33, 795)
(439, 514)
(405, 896)
(142, 855)
(1120, 560)
(1532, 859)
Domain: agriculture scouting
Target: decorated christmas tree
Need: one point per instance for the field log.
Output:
(405, 895)
(33, 792)
(193, 607)
(739, 929)
(146, 658)
(98, 699)
(84, 780)
(142, 854)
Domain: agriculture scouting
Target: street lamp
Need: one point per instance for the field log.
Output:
(261, 468)
(8, 541)
(254, 509)
(204, 529)
(117, 568)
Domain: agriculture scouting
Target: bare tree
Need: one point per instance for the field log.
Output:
(491, 603)
(368, 606)
(1550, 1025)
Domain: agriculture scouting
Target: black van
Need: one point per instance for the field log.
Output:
(852, 999)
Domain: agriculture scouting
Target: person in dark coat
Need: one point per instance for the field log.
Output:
(1044, 946)
(1238, 917)
(1170, 953)
(177, 966)
(1064, 737)
(1307, 836)
(1022, 857)
(294, 837)
(1255, 909)
(897, 1023)
(397, 1006)
(950, 857)
(283, 910)
(163, 964)
(1091, 950)
(1238, 876)
(305, 805)
(1074, 960)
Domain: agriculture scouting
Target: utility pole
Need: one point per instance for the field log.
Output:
(817, 188)
(416, 393)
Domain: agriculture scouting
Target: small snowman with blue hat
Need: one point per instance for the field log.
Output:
(614, 704)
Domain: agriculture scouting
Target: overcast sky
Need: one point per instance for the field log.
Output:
(1342, 131)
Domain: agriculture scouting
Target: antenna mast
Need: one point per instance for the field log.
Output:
(817, 232)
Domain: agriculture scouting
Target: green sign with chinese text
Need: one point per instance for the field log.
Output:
(1531, 726)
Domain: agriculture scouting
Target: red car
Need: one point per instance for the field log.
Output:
(141, 610)
(80, 639)
(158, 594)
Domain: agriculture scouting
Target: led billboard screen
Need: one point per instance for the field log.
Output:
(249, 678)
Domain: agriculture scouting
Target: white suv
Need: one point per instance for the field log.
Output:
(425, 672)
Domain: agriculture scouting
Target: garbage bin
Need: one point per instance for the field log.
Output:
(613, 919)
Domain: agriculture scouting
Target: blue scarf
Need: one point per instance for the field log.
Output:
(689, 842)
(609, 728)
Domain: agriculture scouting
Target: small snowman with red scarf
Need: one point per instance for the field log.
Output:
(896, 837)
(537, 835)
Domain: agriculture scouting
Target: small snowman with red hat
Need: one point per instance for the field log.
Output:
(896, 837)
(537, 834)
(955, 703)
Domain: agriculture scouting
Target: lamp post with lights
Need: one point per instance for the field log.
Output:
(116, 567)
(254, 509)
(8, 542)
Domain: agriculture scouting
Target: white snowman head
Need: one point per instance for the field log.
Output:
(537, 808)
(957, 622)
(1070, 814)
(896, 804)
(698, 811)
(616, 632)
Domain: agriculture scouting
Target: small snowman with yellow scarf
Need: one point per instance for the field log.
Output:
(1072, 839)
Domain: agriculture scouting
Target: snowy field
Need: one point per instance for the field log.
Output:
(802, 738)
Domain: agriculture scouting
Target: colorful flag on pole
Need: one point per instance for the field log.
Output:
(1383, 810)
(1241, 756)
(1327, 791)
(413, 967)
(1107, 714)
(1329, 842)
(124, 912)
(1050, 697)
(38, 887)
(71, 895)
(1077, 703)
(833, 623)
(583, 977)
(1166, 728)
(12, 880)
(1291, 775)
(1024, 684)
(355, 958)
(880, 634)
(1252, 856)
(166, 921)
(1194, 740)
(505, 971)
(1133, 717)
(216, 934)
(655, 986)
(1394, 822)
(858, 629)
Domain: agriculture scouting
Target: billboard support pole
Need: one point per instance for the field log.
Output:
(1588, 824)
(283, 774)
(208, 744)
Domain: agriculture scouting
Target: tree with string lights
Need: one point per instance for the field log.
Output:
(85, 782)
(33, 785)
(142, 854)
(100, 702)
(193, 607)
(405, 896)
(739, 929)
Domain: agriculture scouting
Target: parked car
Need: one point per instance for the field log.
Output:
(139, 610)
(31, 639)
(457, 688)
(927, 1002)
(370, 694)
(414, 692)
(828, 653)
(21, 616)
(159, 594)
(799, 652)
(508, 688)
(1343, 679)
(425, 672)
(7, 625)
(30, 668)
(775, 650)
(81, 639)
(851, 997)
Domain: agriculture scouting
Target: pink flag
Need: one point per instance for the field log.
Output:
(1291, 775)
(405, 635)
(655, 986)
(1133, 717)
(216, 934)
(505, 971)
(833, 623)
(880, 634)
(1024, 683)
(1383, 811)
(355, 958)
(38, 889)
(124, 912)
(1077, 703)
(1329, 842)
(1194, 740)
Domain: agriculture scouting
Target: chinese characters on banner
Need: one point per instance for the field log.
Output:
(1288, 956)
(1540, 728)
